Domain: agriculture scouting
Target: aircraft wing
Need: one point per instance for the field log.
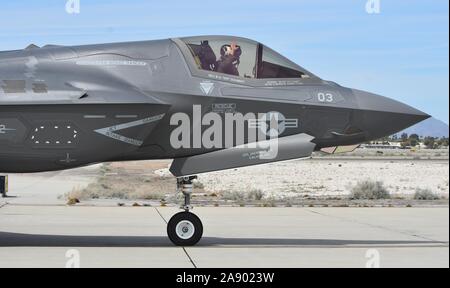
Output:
(286, 148)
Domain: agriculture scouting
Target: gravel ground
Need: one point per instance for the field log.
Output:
(332, 177)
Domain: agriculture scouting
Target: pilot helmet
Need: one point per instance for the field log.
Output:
(225, 50)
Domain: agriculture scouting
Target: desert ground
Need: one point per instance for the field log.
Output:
(323, 180)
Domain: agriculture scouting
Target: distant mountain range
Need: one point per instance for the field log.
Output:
(431, 127)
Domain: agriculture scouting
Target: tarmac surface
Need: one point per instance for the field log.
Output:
(48, 236)
(37, 229)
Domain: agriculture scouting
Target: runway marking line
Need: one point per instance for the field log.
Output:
(376, 226)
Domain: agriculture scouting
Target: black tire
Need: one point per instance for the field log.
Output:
(181, 217)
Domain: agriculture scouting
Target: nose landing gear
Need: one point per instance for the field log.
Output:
(185, 228)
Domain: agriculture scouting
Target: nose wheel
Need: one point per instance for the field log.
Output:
(185, 228)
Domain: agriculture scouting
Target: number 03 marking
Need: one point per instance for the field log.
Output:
(325, 97)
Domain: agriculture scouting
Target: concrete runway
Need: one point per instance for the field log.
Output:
(41, 236)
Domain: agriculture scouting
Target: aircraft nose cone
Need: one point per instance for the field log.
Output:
(373, 102)
(384, 116)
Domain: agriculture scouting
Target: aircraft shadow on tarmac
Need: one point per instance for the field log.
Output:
(32, 240)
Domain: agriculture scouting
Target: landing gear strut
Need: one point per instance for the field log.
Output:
(185, 228)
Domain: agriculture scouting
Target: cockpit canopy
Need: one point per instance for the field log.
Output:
(241, 57)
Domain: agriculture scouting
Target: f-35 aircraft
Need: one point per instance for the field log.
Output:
(209, 102)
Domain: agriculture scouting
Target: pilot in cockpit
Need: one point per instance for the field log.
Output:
(229, 59)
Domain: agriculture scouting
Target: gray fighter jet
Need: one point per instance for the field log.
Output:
(210, 103)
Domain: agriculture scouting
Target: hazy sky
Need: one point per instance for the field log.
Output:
(402, 53)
